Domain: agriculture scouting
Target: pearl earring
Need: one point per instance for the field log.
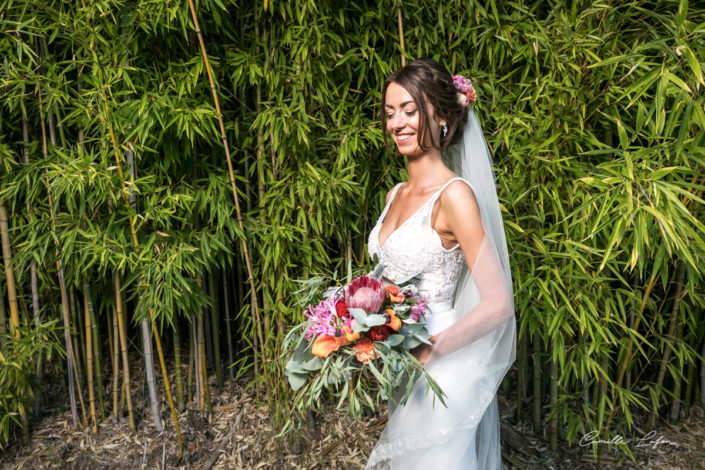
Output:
(444, 125)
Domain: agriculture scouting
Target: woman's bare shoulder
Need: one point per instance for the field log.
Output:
(459, 195)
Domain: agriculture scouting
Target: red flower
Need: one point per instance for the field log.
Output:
(379, 333)
(341, 309)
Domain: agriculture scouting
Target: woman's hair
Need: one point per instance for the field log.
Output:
(427, 80)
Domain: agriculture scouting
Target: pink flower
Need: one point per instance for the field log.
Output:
(366, 293)
(322, 319)
(466, 92)
(417, 310)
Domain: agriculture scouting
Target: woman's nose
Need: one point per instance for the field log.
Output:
(397, 121)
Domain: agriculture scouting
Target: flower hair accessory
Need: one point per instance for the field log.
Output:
(466, 92)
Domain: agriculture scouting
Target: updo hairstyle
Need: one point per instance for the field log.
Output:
(426, 79)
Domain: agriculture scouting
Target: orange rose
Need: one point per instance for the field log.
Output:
(393, 294)
(366, 348)
(324, 345)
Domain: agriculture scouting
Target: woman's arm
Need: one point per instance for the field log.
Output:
(462, 216)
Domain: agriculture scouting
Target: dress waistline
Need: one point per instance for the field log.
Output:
(440, 315)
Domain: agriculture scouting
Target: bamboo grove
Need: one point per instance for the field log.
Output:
(170, 169)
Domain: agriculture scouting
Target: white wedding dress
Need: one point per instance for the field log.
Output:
(423, 434)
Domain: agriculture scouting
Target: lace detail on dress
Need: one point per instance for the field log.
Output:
(416, 248)
(383, 454)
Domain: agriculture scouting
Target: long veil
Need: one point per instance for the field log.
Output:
(491, 275)
(481, 345)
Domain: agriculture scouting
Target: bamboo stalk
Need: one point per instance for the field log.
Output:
(401, 33)
(70, 367)
(149, 374)
(553, 398)
(258, 346)
(702, 376)
(632, 316)
(9, 273)
(201, 362)
(116, 363)
(144, 324)
(96, 361)
(180, 403)
(89, 355)
(123, 347)
(109, 323)
(189, 371)
(245, 252)
(240, 290)
(207, 326)
(206, 385)
(79, 388)
(229, 337)
(538, 418)
(165, 377)
(12, 299)
(3, 320)
(76, 335)
(690, 378)
(215, 328)
(689, 387)
(522, 389)
(676, 405)
(196, 364)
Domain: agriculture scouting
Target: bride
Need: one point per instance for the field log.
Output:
(444, 224)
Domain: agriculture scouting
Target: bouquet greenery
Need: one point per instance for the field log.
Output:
(355, 347)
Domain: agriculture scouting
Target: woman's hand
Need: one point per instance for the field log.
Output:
(423, 351)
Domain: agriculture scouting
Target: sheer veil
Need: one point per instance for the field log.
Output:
(481, 345)
(491, 279)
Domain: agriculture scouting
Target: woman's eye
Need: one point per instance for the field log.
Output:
(411, 113)
(390, 116)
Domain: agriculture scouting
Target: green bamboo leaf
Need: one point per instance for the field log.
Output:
(693, 63)
(674, 79)
(661, 172)
(623, 139)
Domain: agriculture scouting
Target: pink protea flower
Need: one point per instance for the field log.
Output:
(366, 293)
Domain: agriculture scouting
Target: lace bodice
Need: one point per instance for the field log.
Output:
(416, 248)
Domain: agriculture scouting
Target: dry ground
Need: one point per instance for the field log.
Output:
(238, 434)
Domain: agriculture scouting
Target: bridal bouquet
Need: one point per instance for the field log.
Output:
(355, 346)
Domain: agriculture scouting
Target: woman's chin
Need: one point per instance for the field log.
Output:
(408, 150)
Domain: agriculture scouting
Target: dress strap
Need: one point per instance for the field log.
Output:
(432, 200)
(389, 203)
